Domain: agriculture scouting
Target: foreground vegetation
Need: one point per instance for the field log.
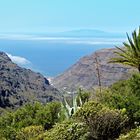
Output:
(111, 114)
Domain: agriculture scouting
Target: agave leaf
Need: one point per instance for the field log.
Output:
(132, 46)
(80, 100)
(67, 106)
(74, 103)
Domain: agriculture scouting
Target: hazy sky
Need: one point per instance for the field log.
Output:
(60, 15)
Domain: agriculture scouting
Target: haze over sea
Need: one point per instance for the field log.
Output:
(52, 55)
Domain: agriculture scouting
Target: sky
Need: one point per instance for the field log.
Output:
(39, 16)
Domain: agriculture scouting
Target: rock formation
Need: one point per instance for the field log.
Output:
(19, 85)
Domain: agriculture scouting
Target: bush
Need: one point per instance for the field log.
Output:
(31, 114)
(29, 133)
(134, 84)
(84, 96)
(124, 95)
(103, 123)
(48, 116)
(132, 135)
(9, 133)
(68, 130)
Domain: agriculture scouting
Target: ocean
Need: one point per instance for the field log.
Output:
(52, 56)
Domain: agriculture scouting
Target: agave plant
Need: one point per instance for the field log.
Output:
(69, 110)
(130, 54)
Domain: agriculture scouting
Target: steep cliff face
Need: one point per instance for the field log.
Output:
(19, 85)
(85, 72)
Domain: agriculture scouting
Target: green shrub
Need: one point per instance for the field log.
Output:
(8, 133)
(83, 95)
(31, 114)
(124, 95)
(132, 135)
(29, 133)
(134, 84)
(48, 116)
(68, 130)
(103, 123)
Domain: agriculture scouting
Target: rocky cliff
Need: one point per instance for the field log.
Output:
(85, 73)
(19, 85)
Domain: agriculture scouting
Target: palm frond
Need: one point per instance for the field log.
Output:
(132, 45)
(130, 54)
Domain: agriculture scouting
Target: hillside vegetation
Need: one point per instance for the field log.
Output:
(111, 113)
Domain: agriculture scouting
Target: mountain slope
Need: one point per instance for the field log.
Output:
(84, 72)
(19, 85)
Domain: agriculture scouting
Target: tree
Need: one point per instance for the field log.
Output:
(130, 54)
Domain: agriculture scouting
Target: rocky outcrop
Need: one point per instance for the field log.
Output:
(19, 85)
(85, 72)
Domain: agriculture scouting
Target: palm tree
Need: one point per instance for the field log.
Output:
(130, 53)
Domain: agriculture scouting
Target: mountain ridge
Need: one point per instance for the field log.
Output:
(19, 85)
(69, 33)
(85, 33)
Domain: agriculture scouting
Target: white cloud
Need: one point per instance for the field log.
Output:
(18, 59)
(67, 40)
(16, 37)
